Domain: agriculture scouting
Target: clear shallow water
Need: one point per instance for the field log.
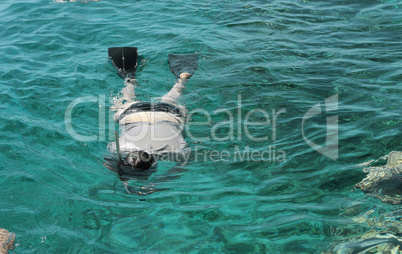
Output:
(57, 197)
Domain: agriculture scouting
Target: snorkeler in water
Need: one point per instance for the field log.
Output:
(148, 130)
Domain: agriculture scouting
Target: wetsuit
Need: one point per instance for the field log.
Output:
(156, 128)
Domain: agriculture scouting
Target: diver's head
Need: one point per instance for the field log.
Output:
(142, 161)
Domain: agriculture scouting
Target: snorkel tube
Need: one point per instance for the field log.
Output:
(119, 161)
(116, 136)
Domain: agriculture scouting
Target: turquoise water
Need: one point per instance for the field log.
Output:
(57, 196)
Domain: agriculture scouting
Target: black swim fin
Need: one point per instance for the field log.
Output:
(183, 63)
(125, 60)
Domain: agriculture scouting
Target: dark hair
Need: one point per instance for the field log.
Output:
(144, 160)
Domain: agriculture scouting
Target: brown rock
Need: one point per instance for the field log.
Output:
(6, 241)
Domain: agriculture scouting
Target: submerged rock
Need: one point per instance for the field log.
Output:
(6, 241)
(385, 182)
(380, 232)
(378, 244)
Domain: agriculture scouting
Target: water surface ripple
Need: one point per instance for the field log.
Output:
(58, 198)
